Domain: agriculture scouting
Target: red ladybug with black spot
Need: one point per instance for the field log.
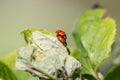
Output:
(61, 37)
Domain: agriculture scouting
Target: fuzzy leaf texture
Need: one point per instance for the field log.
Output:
(94, 35)
(46, 57)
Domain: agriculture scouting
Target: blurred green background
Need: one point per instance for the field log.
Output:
(17, 15)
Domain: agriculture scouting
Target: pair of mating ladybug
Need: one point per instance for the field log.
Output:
(61, 37)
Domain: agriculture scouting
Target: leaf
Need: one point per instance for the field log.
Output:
(115, 56)
(94, 35)
(81, 58)
(88, 77)
(28, 34)
(114, 74)
(46, 57)
(6, 73)
(9, 61)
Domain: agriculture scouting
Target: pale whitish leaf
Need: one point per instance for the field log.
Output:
(47, 55)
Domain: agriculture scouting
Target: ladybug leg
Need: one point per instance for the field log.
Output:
(68, 50)
(65, 44)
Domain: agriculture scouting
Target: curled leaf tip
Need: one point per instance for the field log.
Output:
(27, 35)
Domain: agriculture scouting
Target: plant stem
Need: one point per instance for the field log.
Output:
(93, 72)
(96, 75)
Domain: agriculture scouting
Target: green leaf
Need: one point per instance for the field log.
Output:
(116, 49)
(88, 77)
(114, 58)
(6, 73)
(114, 74)
(94, 35)
(9, 61)
(81, 58)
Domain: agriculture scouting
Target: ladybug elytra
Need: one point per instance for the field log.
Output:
(62, 37)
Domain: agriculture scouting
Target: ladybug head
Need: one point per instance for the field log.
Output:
(59, 31)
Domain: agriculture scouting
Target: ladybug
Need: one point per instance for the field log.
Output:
(61, 33)
(62, 37)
